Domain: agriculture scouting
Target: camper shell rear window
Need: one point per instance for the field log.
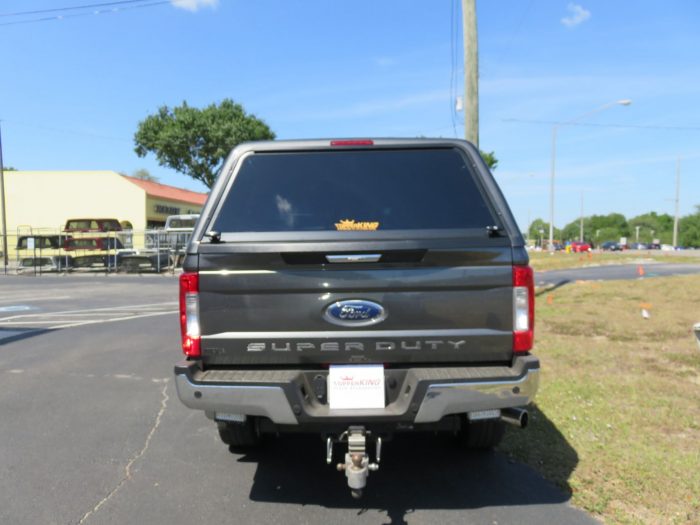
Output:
(354, 190)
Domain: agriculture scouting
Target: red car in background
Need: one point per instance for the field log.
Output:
(92, 243)
(578, 247)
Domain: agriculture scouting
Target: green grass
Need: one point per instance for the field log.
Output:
(617, 418)
(541, 261)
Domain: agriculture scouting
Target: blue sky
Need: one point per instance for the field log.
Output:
(73, 90)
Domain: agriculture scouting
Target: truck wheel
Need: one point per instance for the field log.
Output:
(239, 435)
(482, 434)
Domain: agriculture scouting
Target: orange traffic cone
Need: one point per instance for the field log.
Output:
(640, 270)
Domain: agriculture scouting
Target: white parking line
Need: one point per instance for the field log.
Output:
(115, 319)
(88, 311)
(34, 298)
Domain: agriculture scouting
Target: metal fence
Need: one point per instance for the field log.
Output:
(52, 250)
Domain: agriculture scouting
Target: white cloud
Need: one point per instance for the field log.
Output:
(194, 5)
(578, 15)
(385, 61)
(374, 107)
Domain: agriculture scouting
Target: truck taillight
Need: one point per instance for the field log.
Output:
(189, 314)
(523, 308)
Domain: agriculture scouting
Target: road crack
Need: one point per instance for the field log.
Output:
(127, 469)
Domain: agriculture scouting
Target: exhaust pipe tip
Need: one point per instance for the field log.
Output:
(515, 416)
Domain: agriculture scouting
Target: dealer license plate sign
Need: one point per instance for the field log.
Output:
(355, 387)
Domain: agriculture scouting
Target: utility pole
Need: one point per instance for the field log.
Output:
(580, 236)
(471, 72)
(551, 187)
(555, 128)
(678, 196)
(2, 201)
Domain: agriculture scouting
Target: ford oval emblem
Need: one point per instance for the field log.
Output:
(355, 312)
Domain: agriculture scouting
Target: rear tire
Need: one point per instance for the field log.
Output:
(239, 435)
(482, 434)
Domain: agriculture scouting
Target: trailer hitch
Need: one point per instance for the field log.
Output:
(357, 465)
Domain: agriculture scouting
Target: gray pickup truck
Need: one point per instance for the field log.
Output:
(356, 289)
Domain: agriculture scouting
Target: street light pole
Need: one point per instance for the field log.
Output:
(555, 128)
(2, 201)
(551, 187)
(678, 194)
(580, 236)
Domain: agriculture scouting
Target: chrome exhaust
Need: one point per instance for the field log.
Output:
(515, 416)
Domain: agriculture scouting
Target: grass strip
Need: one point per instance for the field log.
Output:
(541, 261)
(617, 418)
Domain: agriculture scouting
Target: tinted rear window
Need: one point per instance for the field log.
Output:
(181, 223)
(81, 225)
(110, 226)
(39, 242)
(82, 243)
(354, 190)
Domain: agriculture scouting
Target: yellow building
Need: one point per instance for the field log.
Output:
(47, 199)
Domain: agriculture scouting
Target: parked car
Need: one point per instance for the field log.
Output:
(178, 229)
(578, 247)
(181, 222)
(92, 243)
(143, 261)
(41, 242)
(92, 225)
(611, 246)
(90, 250)
(45, 264)
(638, 246)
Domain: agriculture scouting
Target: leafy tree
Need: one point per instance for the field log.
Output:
(600, 235)
(571, 231)
(490, 159)
(689, 229)
(8, 168)
(533, 231)
(660, 225)
(597, 228)
(144, 174)
(613, 225)
(195, 141)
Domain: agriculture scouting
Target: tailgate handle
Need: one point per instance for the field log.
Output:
(354, 258)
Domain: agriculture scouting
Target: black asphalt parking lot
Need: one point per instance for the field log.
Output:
(92, 432)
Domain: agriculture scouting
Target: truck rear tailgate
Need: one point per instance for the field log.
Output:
(441, 305)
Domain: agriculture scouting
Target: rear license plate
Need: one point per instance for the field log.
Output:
(356, 387)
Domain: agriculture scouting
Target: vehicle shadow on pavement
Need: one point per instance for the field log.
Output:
(18, 333)
(423, 471)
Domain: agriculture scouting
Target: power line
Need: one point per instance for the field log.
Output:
(514, 33)
(92, 13)
(64, 130)
(61, 130)
(70, 8)
(594, 125)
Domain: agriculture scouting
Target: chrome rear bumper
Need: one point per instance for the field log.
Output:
(422, 395)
